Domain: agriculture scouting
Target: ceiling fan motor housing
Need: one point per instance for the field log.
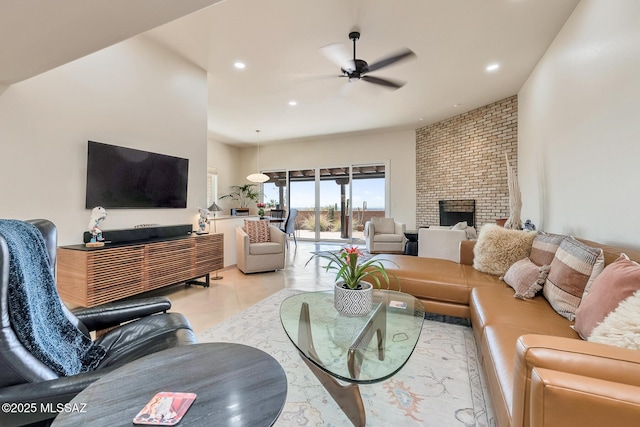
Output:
(361, 68)
(357, 68)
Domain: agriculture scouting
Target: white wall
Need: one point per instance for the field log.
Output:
(133, 94)
(226, 160)
(579, 130)
(397, 148)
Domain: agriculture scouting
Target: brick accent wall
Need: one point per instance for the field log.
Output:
(463, 158)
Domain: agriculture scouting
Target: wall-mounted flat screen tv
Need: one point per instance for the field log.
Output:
(125, 178)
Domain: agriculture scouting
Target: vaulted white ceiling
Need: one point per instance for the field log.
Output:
(39, 35)
(280, 41)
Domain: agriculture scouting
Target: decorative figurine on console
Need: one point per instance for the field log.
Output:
(203, 221)
(97, 214)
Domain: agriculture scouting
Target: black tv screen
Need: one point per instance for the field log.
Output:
(119, 177)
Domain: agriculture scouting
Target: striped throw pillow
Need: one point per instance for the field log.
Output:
(258, 231)
(573, 270)
(544, 248)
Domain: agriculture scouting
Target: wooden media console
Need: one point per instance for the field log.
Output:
(93, 276)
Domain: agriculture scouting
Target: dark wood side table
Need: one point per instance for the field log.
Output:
(236, 385)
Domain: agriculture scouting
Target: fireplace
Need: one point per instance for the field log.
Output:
(455, 211)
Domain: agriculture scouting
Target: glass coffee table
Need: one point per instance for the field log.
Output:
(355, 350)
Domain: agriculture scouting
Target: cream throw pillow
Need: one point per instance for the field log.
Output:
(498, 248)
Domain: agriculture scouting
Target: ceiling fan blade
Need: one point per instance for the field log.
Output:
(339, 55)
(399, 56)
(383, 82)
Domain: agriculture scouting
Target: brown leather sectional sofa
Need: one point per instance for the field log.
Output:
(539, 371)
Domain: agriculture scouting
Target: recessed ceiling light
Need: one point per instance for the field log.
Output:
(293, 103)
(493, 67)
(239, 65)
(457, 105)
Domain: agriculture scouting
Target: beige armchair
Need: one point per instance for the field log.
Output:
(384, 235)
(257, 257)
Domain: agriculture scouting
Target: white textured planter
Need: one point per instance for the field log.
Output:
(353, 302)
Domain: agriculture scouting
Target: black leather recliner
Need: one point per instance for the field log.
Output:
(24, 379)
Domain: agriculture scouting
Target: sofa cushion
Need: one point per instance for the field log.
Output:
(573, 270)
(498, 248)
(258, 231)
(544, 248)
(265, 248)
(497, 306)
(617, 282)
(431, 279)
(383, 225)
(477, 279)
(427, 277)
(622, 326)
(526, 278)
(388, 238)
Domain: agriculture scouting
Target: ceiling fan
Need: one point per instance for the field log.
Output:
(357, 69)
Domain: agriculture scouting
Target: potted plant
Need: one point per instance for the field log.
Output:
(243, 194)
(261, 207)
(353, 295)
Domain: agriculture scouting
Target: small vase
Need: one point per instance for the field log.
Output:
(353, 302)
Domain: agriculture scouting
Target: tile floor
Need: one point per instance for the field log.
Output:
(236, 291)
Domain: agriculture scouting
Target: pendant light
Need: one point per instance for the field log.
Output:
(258, 176)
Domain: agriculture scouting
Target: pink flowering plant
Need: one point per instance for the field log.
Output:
(350, 268)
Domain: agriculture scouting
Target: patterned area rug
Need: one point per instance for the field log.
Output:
(441, 384)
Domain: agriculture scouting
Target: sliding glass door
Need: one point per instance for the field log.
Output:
(302, 196)
(334, 191)
(333, 203)
(369, 197)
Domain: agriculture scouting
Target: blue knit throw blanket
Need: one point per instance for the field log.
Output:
(35, 308)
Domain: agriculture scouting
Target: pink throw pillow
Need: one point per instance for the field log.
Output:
(617, 282)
